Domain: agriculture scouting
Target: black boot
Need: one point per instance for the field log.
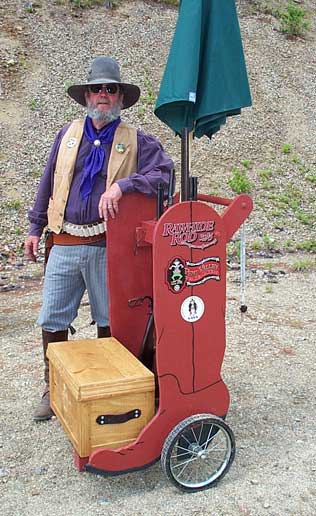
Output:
(43, 410)
(103, 332)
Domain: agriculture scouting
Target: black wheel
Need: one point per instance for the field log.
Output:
(198, 452)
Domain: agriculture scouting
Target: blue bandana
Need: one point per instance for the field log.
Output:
(94, 161)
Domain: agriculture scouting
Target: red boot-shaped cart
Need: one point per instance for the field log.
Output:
(180, 262)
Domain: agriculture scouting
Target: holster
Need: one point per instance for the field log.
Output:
(48, 239)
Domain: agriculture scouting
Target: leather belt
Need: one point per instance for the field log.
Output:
(66, 239)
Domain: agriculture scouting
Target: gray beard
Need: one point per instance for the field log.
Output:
(108, 116)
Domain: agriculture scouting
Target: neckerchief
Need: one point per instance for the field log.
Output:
(94, 161)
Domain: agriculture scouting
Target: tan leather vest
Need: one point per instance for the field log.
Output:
(122, 162)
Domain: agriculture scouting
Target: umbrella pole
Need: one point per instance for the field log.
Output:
(185, 158)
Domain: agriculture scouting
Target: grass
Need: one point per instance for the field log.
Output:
(285, 199)
(149, 98)
(239, 181)
(293, 18)
(311, 178)
(268, 242)
(290, 245)
(36, 172)
(15, 204)
(246, 163)
(168, 2)
(286, 148)
(34, 104)
(307, 245)
(264, 174)
(294, 21)
(304, 265)
(305, 218)
(233, 249)
(88, 4)
(84, 4)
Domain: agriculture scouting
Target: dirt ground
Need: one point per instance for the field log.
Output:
(269, 365)
(269, 368)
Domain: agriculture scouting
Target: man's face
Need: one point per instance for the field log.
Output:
(104, 101)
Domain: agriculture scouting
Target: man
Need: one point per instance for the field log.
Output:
(93, 162)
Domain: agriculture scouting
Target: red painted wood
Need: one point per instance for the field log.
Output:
(189, 355)
(192, 352)
(236, 214)
(214, 199)
(149, 443)
(80, 462)
(129, 270)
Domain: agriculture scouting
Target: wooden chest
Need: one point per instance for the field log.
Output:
(101, 393)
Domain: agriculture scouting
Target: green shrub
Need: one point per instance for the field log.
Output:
(246, 163)
(86, 3)
(239, 181)
(293, 20)
(307, 245)
(305, 265)
(286, 148)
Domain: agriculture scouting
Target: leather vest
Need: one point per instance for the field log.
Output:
(122, 162)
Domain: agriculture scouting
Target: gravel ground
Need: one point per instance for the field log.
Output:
(269, 363)
(269, 368)
(43, 51)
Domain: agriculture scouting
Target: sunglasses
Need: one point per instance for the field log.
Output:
(111, 89)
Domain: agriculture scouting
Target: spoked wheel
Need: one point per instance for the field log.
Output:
(198, 452)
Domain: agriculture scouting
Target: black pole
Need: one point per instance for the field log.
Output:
(171, 188)
(193, 188)
(185, 164)
(160, 200)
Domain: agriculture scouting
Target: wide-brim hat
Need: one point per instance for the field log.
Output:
(105, 70)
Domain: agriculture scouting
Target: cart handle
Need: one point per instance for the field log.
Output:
(223, 201)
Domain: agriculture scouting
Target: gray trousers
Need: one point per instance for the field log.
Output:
(70, 271)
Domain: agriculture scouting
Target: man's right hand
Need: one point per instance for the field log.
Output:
(31, 247)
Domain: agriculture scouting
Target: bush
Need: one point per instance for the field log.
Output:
(239, 181)
(293, 20)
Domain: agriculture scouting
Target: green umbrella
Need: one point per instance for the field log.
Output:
(205, 79)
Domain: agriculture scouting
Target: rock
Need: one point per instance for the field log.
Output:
(8, 288)
(4, 472)
(40, 470)
(104, 501)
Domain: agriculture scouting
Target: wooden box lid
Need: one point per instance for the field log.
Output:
(99, 368)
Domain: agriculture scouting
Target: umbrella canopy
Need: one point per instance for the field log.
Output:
(205, 79)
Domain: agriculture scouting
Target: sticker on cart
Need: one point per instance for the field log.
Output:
(176, 275)
(198, 273)
(195, 234)
(192, 309)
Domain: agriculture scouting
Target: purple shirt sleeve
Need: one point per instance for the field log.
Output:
(38, 214)
(153, 167)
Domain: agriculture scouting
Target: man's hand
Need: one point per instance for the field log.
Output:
(31, 247)
(109, 202)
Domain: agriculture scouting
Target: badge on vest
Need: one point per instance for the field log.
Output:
(120, 147)
(71, 142)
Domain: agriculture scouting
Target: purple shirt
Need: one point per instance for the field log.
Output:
(153, 167)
